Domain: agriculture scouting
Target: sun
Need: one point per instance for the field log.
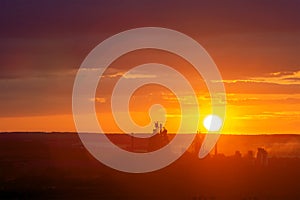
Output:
(212, 123)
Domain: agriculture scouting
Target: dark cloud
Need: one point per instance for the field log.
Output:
(36, 96)
(44, 34)
(67, 18)
(44, 42)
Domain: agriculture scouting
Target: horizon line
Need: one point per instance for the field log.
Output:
(119, 133)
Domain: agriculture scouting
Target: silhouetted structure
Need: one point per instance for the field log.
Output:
(156, 128)
(250, 155)
(197, 143)
(159, 138)
(262, 157)
(238, 155)
(216, 149)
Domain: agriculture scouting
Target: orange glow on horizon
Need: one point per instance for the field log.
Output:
(262, 104)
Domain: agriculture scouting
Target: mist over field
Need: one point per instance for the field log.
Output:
(56, 165)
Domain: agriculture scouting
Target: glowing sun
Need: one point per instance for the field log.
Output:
(212, 122)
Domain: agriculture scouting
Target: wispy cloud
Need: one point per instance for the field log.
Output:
(270, 115)
(262, 99)
(118, 74)
(98, 99)
(131, 75)
(134, 76)
(280, 78)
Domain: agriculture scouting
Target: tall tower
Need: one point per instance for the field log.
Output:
(216, 149)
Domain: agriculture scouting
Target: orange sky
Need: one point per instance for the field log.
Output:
(256, 47)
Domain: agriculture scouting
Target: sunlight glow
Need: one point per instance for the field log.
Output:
(212, 123)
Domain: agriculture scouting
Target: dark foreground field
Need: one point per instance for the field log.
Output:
(56, 166)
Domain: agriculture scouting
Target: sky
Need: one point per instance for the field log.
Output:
(255, 45)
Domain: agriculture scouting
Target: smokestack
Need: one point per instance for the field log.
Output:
(156, 125)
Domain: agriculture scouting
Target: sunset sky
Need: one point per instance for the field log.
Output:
(255, 45)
